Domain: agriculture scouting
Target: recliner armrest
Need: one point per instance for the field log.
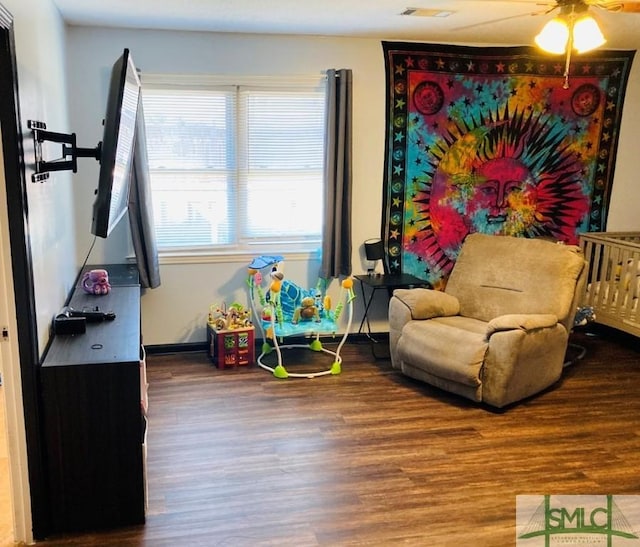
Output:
(527, 322)
(428, 303)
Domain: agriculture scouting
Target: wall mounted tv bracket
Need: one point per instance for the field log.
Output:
(70, 152)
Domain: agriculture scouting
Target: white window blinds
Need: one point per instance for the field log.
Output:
(235, 167)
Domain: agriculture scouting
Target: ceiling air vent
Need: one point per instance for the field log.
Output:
(424, 12)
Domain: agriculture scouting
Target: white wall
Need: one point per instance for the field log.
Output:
(176, 311)
(625, 197)
(41, 62)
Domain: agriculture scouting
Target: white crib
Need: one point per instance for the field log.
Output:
(613, 285)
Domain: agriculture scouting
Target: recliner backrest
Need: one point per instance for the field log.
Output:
(497, 275)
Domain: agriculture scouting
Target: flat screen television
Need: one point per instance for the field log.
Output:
(117, 147)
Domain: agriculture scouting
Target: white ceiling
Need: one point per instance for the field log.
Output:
(473, 21)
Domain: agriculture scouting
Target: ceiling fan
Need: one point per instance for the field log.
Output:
(572, 27)
(565, 6)
(608, 5)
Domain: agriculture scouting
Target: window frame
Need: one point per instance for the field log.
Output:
(236, 252)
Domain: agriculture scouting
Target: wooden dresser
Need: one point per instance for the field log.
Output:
(94, 423)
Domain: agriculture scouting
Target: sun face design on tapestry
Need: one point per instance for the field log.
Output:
(487, 140)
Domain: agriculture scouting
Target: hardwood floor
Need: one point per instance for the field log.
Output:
(239, 458)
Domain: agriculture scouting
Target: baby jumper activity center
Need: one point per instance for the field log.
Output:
(281, 308)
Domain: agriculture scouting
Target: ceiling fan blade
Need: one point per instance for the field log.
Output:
(630, 7)
(615, 6)
(493, 21)
(548, 3)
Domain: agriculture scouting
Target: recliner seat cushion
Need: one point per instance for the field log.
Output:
(452, 348)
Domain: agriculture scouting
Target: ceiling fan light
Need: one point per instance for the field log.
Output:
(587, 34)
(554, 36)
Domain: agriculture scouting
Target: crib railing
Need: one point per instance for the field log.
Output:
(613, 283)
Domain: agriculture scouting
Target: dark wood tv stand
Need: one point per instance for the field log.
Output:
(94, 426)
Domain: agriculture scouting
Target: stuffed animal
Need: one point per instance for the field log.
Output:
(96, 282)
(307, 311)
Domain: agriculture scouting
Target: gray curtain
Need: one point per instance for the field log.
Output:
(141, 210)
(336, 237)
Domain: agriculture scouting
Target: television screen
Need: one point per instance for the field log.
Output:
(116, 151)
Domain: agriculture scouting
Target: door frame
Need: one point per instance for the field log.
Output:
(11, 380)
(26, 457)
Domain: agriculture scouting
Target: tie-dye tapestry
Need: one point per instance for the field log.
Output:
(495, 140)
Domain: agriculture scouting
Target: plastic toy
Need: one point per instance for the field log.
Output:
(281, 308)
(234, 318)
(307, 311)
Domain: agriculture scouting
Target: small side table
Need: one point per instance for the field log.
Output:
(388, 282)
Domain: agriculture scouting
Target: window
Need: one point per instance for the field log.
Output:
(235, 168)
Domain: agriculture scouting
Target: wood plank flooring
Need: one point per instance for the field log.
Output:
(369, 457)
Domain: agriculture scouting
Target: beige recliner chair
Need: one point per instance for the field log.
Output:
(499, 331)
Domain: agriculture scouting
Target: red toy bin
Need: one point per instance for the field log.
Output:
(230, 348)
